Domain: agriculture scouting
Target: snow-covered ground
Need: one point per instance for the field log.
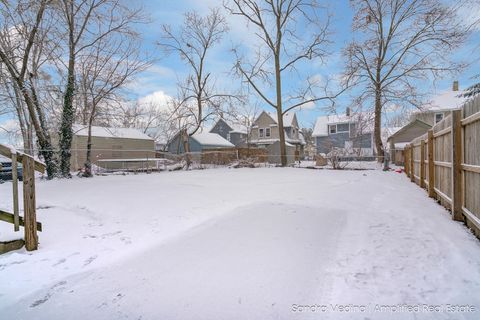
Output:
(241, 244)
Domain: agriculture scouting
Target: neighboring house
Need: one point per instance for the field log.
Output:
(265, 131)
(237, 134)
(440, 106)
(198, 142)
(422, 121)
(110, 143)
(351, 133)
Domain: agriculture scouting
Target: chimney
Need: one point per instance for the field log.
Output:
(455, 85)
(347, 112)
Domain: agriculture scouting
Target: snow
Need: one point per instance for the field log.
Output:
(447, 100)
(212, 139)
(110, 132)
(321, 124)
(240, 244)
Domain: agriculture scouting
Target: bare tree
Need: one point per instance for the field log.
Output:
(105, 68)
(284, 29)
(198, 96)
(88, 22)
(22, 42)
(401, 43)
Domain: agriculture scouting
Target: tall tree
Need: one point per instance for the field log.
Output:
(105, 68)
(198, 95)
(399, 44)
(22, 42)
(290, 32)
(87, 22)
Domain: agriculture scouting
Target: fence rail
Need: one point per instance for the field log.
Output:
(446, 161)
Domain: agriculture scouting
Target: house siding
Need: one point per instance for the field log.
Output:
(221, 128)
(109, 148)
(326, 143)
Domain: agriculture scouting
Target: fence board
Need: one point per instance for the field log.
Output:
(450, 162)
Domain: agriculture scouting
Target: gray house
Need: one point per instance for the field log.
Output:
(265, 131)
(198, 142)
(236, 133)
(351, 133)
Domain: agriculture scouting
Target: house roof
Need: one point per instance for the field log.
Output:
(236, 127)
(287, 118)
(447, 100)
(321, 125)
(110, 132)
(411, 124)
(211, 139)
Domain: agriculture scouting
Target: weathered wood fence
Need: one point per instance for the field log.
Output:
(446, 161)
(29, 220)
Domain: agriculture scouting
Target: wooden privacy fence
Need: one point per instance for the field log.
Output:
(29, 219)
(446, 161)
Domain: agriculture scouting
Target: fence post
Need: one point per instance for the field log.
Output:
(422, 164)
(406, 161)
(431, 165)
(16, 218)
(457, 201)
(31, 238)
(412, 164)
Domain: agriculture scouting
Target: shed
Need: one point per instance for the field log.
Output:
(198, 142)
(110, 143)
(396, 142)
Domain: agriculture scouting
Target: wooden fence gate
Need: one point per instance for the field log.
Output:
(29, 219)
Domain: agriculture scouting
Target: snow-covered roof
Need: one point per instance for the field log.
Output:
(211, 139)
(321, 125)
(447, 100)
(236, 126)
(110, 132)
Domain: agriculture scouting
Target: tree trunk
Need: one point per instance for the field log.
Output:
(281, 132)
(278, 83)
(66, 133)
(378, 124)
(186, 147)
(88, 163)
(46, 147)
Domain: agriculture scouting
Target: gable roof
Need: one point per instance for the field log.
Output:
(288, 118)
(321, 125)
(447, 100)
(211, 139)
(235, 126)
(411, 124)
(110, 132)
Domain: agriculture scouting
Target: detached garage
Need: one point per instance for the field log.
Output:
(109, 143)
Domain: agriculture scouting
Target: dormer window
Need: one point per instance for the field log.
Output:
(438, 117)
(332, 129)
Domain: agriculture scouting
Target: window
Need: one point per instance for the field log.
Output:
(260, 132)
(267, 132)
(228, 137)
(332, 128)
(343, 127)
(438, 117)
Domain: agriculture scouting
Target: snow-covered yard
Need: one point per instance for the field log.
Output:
(241, 244)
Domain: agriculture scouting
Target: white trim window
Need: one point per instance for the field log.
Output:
(332, 129)
(267, 132)
(438, 117)
(260, 132)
